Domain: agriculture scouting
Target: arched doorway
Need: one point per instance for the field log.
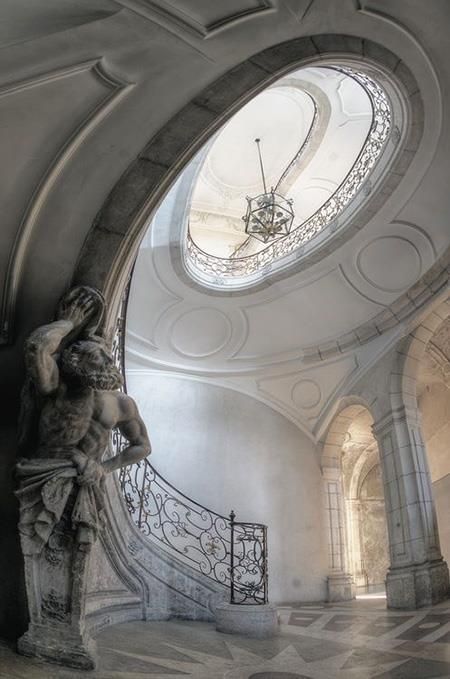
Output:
(365, 508)
(358, 538)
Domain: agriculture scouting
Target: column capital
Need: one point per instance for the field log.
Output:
(394, 417)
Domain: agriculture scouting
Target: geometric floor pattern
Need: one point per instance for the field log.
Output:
(355, 640)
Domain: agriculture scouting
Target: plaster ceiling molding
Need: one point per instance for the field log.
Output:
(59, 110)
(387, 265)
(383, 11)
(202, 116)
(306, 394)
(200, 333)
(277, 331)
(390, 263)
(198, 337)
(299, 9)
(431, 287)
(149, 299)
(22, 20)
(199, 18)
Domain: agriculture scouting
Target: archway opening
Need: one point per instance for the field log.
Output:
(354, 453)
(365, 507)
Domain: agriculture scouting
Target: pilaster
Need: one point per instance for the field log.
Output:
(418, 575)
(341, 586)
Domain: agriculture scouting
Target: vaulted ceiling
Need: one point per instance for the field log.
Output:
(85, 84)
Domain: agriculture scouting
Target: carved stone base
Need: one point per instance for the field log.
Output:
(259, 621)
(56, 579)
(52, 644)
(341, 587)
(417, 586)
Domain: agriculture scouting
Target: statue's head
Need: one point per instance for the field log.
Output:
(87, 363)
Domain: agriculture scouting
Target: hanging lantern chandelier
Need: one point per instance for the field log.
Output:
(269, 215)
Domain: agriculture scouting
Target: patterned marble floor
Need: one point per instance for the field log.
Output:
(359, 640)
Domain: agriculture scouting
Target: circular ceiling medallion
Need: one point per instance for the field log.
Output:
(390, 263)
(200, 332)
(306, 394)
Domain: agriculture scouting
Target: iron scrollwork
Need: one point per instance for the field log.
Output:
(248, 562)
(221, 271)
(231, 553)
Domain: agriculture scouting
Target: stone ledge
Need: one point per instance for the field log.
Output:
(257, 621)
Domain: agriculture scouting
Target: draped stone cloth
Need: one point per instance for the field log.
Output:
(45, 487)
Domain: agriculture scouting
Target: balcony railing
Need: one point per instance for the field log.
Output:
(222, 271)
(232, 553)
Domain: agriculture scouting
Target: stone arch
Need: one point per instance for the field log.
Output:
(341, 495)
(111, 243)
(332, 441)
(365, 510)
(409, 353)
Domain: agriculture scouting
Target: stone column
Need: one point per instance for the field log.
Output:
(340, 583)
(418, 575)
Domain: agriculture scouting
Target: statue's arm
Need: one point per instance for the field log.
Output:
(133, 428)
(40, 354)
(77, 308)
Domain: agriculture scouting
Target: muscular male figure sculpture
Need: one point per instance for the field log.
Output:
(76, 382)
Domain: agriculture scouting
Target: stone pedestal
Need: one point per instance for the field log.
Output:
(56, 579)
(260, 621)
(417, 586)
(341, 587)
(56, 584)
(58, 644)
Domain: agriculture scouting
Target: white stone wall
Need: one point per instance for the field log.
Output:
(228, 451)
(434, 404)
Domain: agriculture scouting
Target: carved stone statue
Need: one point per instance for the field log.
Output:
(70, 405)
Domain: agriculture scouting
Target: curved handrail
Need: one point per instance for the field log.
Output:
(231, 553)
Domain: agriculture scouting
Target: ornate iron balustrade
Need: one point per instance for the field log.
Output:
(233, 554)
(222, 270)
(248, 558)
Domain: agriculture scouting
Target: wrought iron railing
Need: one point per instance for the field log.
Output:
(222, 270)
(233, 554)
(248, 562)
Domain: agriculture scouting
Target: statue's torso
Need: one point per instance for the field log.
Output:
(74, 420)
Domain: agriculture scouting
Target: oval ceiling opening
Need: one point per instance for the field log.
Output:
(287, 172)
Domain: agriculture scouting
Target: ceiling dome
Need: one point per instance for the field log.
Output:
(321, 131)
